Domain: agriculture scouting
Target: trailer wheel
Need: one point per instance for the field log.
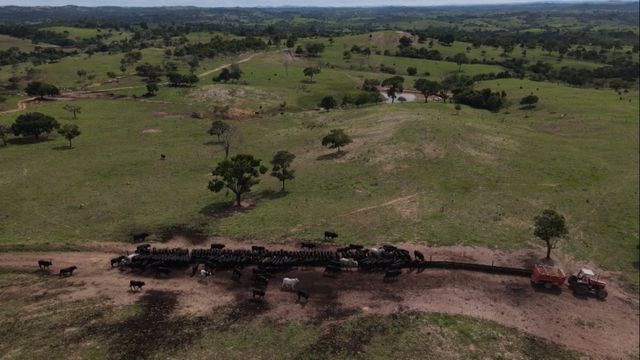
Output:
(573, 280)
(581, 289)
(602, 294)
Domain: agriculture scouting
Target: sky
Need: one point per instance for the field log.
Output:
(260, 3)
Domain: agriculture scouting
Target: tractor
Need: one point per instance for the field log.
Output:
(586, 282)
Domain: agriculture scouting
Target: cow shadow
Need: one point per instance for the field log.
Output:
(332, 156)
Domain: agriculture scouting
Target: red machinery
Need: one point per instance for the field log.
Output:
(586, 282)
(547, 276)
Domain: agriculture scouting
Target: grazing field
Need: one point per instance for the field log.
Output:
(532, 109)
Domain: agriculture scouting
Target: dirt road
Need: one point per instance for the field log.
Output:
(604, 329)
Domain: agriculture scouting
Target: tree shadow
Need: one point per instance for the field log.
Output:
(27, 140)
(212, 142)
(333, 155)
(272, 195)
(62, 148)
(223, 209)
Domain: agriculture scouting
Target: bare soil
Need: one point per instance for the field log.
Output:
(602, 329)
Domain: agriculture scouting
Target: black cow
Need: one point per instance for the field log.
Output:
(391, 274)
(140, 236)
(330, 235)
(68, 271)
(142, 248)
(117, 260)
(355, 247)
(258, 293)
(236, 274)
(418, 255)
(259, 279)
(258, 248)
(44, 264)
(217, 246)
(308, 245)
(164, 271)
(163, 156)
(136, 285)
(303, 294)
(332, 269)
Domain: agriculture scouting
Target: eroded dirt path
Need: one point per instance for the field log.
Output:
(603, 329)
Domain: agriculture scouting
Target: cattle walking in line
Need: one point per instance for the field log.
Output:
(355, 247)
(142, 248)
(308, 245)
(418, 255)
(217, 246)
(348, 263)
(333, 269)
(330, 235)
(117, 260)
(258, 248)
(68, 271)
(391, 274)
(289, 284)
(257, 293)
(136, 285)
(44, 264)
(303, 294)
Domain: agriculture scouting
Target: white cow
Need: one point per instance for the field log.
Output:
(205, 273)
(376, 251)
(289, 284)
(346, 262)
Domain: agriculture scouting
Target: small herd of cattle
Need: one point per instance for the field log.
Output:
(266, 263)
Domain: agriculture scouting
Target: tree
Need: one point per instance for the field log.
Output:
(412, 71)
(395, 86)
(34, 124)
(69, 132)
(74, 109)
(237, 174)
(218, 128)
(460, 58)
(328, 102)
(550, 227)
(336, 139)
(427, 87)
(314, 49)
(282, 166)
(405, 41)
(81, 73)
(4, 132)
(529, 100)
(40, 89)
(311, 72)
(227, 137)
(152, 88)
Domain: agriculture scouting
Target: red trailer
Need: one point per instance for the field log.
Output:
(547, 276)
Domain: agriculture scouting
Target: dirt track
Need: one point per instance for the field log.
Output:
(603, 329)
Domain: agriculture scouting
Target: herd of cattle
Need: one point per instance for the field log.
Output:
(265, 263)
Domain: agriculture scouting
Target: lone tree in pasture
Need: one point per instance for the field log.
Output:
(311, 71)
(237, 174)
(395, 86)
(152, 88)
(229, 73)
(550, 227)
(529, 101)
(69, 132)
(74, 109)
(218, 128)
(460, 58)
(336, 139)
(282, 166)
(34, 124)
(226, 138)
(4, 132)
(427, 87)
(412, 71)
(41, 89)
(328, 102)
